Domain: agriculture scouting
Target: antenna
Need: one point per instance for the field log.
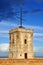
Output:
(20, 16)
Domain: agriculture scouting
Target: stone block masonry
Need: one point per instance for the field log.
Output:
(21, 45)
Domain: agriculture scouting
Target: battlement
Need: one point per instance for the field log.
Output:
(21, 30)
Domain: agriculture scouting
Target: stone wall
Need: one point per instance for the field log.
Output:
(21, 44)
(5, 61)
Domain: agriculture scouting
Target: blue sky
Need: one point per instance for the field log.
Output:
(31, 20)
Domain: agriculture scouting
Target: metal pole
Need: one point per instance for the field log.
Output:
(21, 16)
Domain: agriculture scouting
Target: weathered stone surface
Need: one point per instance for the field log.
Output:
(21, 43)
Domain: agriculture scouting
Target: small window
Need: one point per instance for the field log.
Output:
(20, 54)
(25, 41)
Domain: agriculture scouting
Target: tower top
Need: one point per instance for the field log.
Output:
(21, 30)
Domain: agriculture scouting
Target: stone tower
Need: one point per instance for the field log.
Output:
(21, 46)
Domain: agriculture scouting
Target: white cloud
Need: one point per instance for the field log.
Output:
(4, 47)
(34, 27)
(38, 39)
(4, 31)
(38, 49)
(38, 34)
(4, 35)
(6, 23)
